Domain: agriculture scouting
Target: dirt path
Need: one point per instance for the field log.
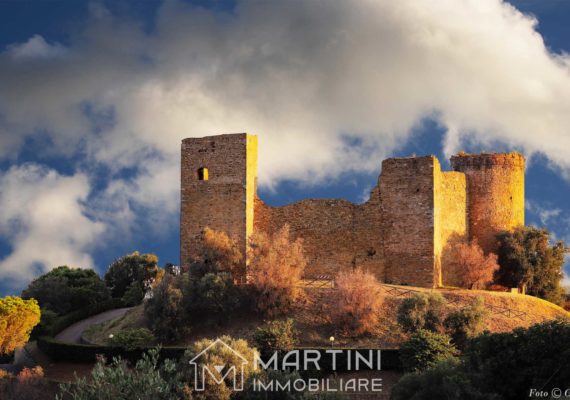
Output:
(72, 334)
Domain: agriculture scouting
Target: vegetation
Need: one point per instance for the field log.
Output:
(133, 274)
(528, 260)
(29, 384)
(465, 323)
(218, 253)
(498, 366)
(213, 295)
(276, 336)
(65, 289)
(17, 319)
(358, 302)
(474, 269)
(165, 309)
(148, 380)
(421, 311)
(132, 338)
(424, 349)
(276, 267)
(219, 354)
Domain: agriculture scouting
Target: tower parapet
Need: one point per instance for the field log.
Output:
(495, 187)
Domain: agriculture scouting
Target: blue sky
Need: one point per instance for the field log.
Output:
(95, 97)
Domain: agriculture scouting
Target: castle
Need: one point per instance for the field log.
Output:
(404, 233)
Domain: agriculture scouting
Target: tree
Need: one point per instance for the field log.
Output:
(473, 268)
(465, 323)
(217, 253)
(213, 294)
(528, 260)
(421, 311)
(17, 319)
(275, 270)
(148, 380)
(276, 336)
(424, 349)
(358, 302)
(165, 309)
(133, 269)
(65, 289)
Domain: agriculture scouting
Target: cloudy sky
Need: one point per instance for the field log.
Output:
(96, 96)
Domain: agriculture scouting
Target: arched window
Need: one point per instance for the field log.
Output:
(203, 174)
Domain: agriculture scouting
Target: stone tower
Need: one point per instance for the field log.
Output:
(495, 187)
(218, 186)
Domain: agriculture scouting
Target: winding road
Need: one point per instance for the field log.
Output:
(72, 334)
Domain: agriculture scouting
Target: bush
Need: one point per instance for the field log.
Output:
(275, 270)
(133, 338)
(222, 351)
(421, 311)
(527, 260)
(141, 269)
(65, 289)
(17, 319)
(424, 349)
(165, 309)
(535, 357)
(218, 253)
(147, 380)
(29, 384)
(133, 295)
(444, 381)
(213, 294)
(474, 269)
(357, 302)
(465, 323)
(276, 336)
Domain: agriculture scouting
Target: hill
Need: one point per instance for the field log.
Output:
(506, 311)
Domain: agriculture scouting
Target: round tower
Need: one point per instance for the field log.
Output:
(495, 187)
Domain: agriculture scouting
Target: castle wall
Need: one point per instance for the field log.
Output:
(407, 220)
(495, 183)
(451, 222)
(334, 236)
(221, 202)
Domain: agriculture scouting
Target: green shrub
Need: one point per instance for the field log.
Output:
(132, 338)
(421, 311)
(165, 309)
(214, 294)
(465, 323)
(445, 380)
(147, 380)
(276, 336)
(134, 294)
(424, 349)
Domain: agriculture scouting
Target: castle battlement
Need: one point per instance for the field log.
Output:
(404, 233)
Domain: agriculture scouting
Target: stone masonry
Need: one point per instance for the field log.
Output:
(403, 234)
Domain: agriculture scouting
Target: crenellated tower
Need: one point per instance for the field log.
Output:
(495, 193)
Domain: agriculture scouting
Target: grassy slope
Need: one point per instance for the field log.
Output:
(315, 328)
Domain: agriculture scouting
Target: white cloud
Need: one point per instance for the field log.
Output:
(544, 213)
(42, 215)
(307, 76)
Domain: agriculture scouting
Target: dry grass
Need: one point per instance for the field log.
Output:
(312, 318)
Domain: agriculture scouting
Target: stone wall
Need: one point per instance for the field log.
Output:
(337, 234)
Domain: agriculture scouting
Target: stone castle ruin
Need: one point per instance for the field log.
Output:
(404, 234)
